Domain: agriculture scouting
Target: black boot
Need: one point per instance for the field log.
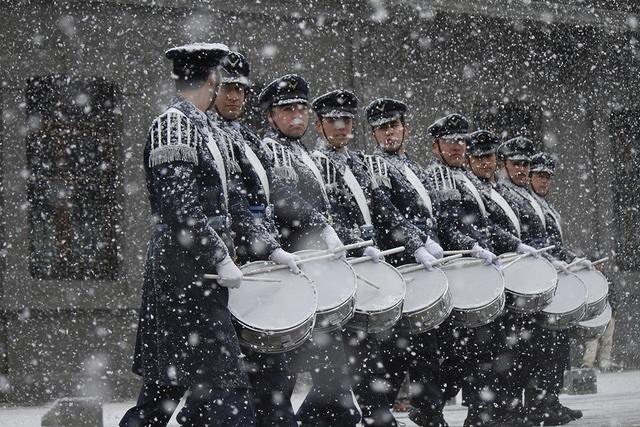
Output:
(513, 418)
(554, 403)
(427, 419)
(545, 415)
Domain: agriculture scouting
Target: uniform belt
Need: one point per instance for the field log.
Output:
(218, 222)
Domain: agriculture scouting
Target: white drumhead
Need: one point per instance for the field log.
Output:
(530, 276)
(273, 306)
(387, 278)
(424, 287)
(335, 280)
(598, 321)
(570, 295)
(474, 285)
(597, 284)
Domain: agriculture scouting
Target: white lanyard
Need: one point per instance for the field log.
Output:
(419, 187)
(500, 201)
(358, 194)
(259, 169)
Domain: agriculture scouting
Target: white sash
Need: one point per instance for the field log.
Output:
(257, 166)
(216, 154)
(358, 194)
(308, 161)
(474, 191)
(536, 207)
(419, 187)
(556, 217)
(500, 201)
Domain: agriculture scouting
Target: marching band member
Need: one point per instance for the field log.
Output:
(514, 162)
(302, 214)
(184, 320)
(404, 183)
(269, 373)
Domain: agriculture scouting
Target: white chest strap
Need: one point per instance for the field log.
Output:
(474, 192)
(308, 161)
(216, 154)
(259, 169)
(419, 187)
(500, 201)
(357, 193)
(536, 207)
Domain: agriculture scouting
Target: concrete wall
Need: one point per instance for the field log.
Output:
(71, 338)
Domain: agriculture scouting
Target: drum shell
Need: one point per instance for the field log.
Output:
(597, 301)
(521, 300)
(588, 330)
(565, 320)
(382, 318)
(269, 342)
(520, 303)
(480, 316)
(434, 312)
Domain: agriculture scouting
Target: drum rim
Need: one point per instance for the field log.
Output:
(594, 271)
(445, 291)
(502, 281)
(543, 291)
(607, 308)
(272, 331)
(568, 315)
(584, 303)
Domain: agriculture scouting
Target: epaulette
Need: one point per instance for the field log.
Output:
(444, 182)
(378, 169)
(173, 138)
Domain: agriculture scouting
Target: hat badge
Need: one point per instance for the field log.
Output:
(293, 84)
(233, 60)
(340, 100)
(380, 107)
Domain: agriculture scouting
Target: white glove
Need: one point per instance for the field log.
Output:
(526, 249)
(423, 257)
(332, 241)
(280, 256)
(560, 265)
(434, 248)
(373, 253)
(230, 274)
(585, 262)
(481, 253)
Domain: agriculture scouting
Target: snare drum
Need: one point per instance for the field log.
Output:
(273, 317)
(336, 285)
(377, 309)
(568, 306)
(477, 292)
(594, 328)
(529, 284)
(597, 291)
(428, 301)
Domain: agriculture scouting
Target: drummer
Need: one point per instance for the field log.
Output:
(269, 374)
(464, 224)
(542, 169)
(534, 342)
(402, 181)
(303, 219)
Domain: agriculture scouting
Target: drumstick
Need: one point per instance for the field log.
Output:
(508, 256)
(461, 252)
(434, 263)
(244, 278)
(600, 261)
(367, 281)
(383, 253)
(357, 245)
(582, 260)
(277, 267)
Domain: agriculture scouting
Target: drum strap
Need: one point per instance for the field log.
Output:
(500, 201)
(419, 187)
(308, 161)
(474, 191)
(358, 194)
(534, 204)
(259, 169)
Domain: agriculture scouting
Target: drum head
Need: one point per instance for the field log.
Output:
(273, 306)
(570, 295)
(387, 278)
(335, 280)
(597, 284)
(424, 288)
(530, 276)
(475, 285)
(598, 321)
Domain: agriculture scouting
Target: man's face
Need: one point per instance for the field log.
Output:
(230, 100)
(518, 171)
(541, 183)
(390, 136)
(292, 120)
(483, 166)
(338, 131)
(450, 151)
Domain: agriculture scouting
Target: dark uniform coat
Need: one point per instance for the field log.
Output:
(185, 334)
(554, 231)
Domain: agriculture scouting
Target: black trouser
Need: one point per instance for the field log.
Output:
(156, 404)
(272, 385)
(368, 380)
(550, 358)
(469, 362)
(329, 402)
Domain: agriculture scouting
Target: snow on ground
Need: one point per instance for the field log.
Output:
(617, 404)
